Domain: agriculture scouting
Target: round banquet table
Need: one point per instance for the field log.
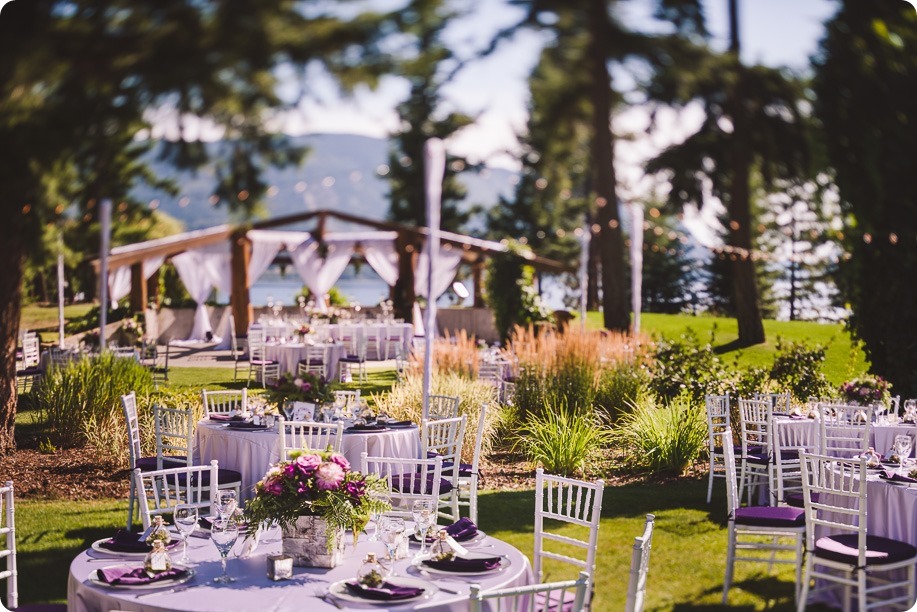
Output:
(804, 432)
(251, 452)
(252, 590)
(289, 354)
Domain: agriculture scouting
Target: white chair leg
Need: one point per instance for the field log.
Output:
(710, 483)
(730, 563)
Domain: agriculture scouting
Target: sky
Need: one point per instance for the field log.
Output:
(494, 90)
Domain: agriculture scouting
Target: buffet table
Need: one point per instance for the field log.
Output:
(251, 452)
(252, 590)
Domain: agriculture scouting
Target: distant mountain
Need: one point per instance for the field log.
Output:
(339, 173)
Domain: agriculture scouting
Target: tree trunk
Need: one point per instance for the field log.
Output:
(403, 291)
(12, 254)
(745, 288)
(611, 243)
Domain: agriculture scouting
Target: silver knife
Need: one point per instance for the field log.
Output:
(177, 589)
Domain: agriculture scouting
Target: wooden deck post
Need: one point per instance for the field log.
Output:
(477, 280)
(138, 288)
(403, 292)
(241, 253)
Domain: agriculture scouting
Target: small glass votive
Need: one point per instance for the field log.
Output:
(279, 567)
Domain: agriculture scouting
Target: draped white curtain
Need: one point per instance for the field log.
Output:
(119, 282)
(319, 274)
(382, 257)
(445, 265)
(201, 270)
(266, 245)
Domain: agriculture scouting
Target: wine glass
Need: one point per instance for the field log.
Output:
(185, 517)
(392, 534)
(424, 513)
(225, 504)
(903, 448)
(910, 409)
(223, 534)
(376, 517)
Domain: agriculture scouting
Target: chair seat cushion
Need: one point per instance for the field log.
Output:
(224, 477)
(770, 516)
(32, 371)
(148, 464)
(258, 362)
(758, 457)
(879, 551)
(311, 362)
(352, 359)
(796, 500)
(414, 483)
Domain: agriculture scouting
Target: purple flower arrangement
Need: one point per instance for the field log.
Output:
(301, 388)
(865, 391)
(313, 483)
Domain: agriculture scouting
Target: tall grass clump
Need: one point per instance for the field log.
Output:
(405, 401)
(453, 353)
(566, 370)
(619, 387)
(564, 442)
(84, 396)
(662, 437)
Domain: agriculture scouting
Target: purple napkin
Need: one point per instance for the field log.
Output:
(244, 425)
(387, 592)
(366, 428)
(136, 575)
(460, 565)
(226, 417)
(407, 423)
(126, 541)
(462, 530)
(895, 477)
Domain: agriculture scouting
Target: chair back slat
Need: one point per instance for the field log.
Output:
(843, 431)
(8, 518)
(161, 490)
(132, 422)
(224, 402)
(407, 479)
(442, 407)
(544, 597)
(174, 431)
(639, 567)
(309, 435)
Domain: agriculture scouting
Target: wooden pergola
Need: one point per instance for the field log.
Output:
(408, 244)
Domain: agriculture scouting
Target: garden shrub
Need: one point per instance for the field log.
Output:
(405, 401)
(685, 366)
(797, 368)
(619, 387)
(85, 395)
(662, 438)
(562, 442)
(511, 292)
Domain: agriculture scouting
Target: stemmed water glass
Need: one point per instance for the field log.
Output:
(392, 534)
(424, 513)
(223, 534)
(185, 517)
(376, 517)
(903, 448)
(225, 504)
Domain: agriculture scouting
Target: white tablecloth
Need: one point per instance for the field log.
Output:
(253, 591)
(290, 354)
(804, 432)
(251, 452)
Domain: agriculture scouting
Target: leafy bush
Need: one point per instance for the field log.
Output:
(797, 368)
(511, 292)
(84, 396)
(619, 387)
(405, 401)
(562, 442)
(663, 438)
(685, 366)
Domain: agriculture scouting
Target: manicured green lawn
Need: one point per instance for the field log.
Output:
(843, 358)
(35, 316)
(686, 566)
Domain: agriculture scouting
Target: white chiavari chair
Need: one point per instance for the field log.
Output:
(639, 567)
(309, 435)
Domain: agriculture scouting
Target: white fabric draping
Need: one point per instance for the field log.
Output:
(319, 274)
(382, 257)
(445, 265)
(119, 282)
(201, 270)
(265, 246)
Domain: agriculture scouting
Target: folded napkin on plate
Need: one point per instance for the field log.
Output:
(127, 542)
(407, 423)
(136, 575)
(366, 427)
(895, 477)
(226, 417)
(459, 564)
(462, 530)
(387, 592)
(244, 425)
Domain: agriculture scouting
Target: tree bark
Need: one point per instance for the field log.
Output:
(611, 242)
(12, 253)
(745, 288)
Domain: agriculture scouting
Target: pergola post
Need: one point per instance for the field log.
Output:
(403, 295)
(152, 288)
(241, 253)
(477, 280)
(138, 288)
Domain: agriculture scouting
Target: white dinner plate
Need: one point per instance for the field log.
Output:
(96, 546)
(158, 584)
(339, 590)
(504, 563)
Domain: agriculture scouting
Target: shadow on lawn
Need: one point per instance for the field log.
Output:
(53, 564)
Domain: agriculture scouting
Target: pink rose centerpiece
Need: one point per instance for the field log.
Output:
(866, 391)
(300, 388)
(316, 484)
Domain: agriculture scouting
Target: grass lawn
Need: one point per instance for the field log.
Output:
(844, 359)
(686, 566)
